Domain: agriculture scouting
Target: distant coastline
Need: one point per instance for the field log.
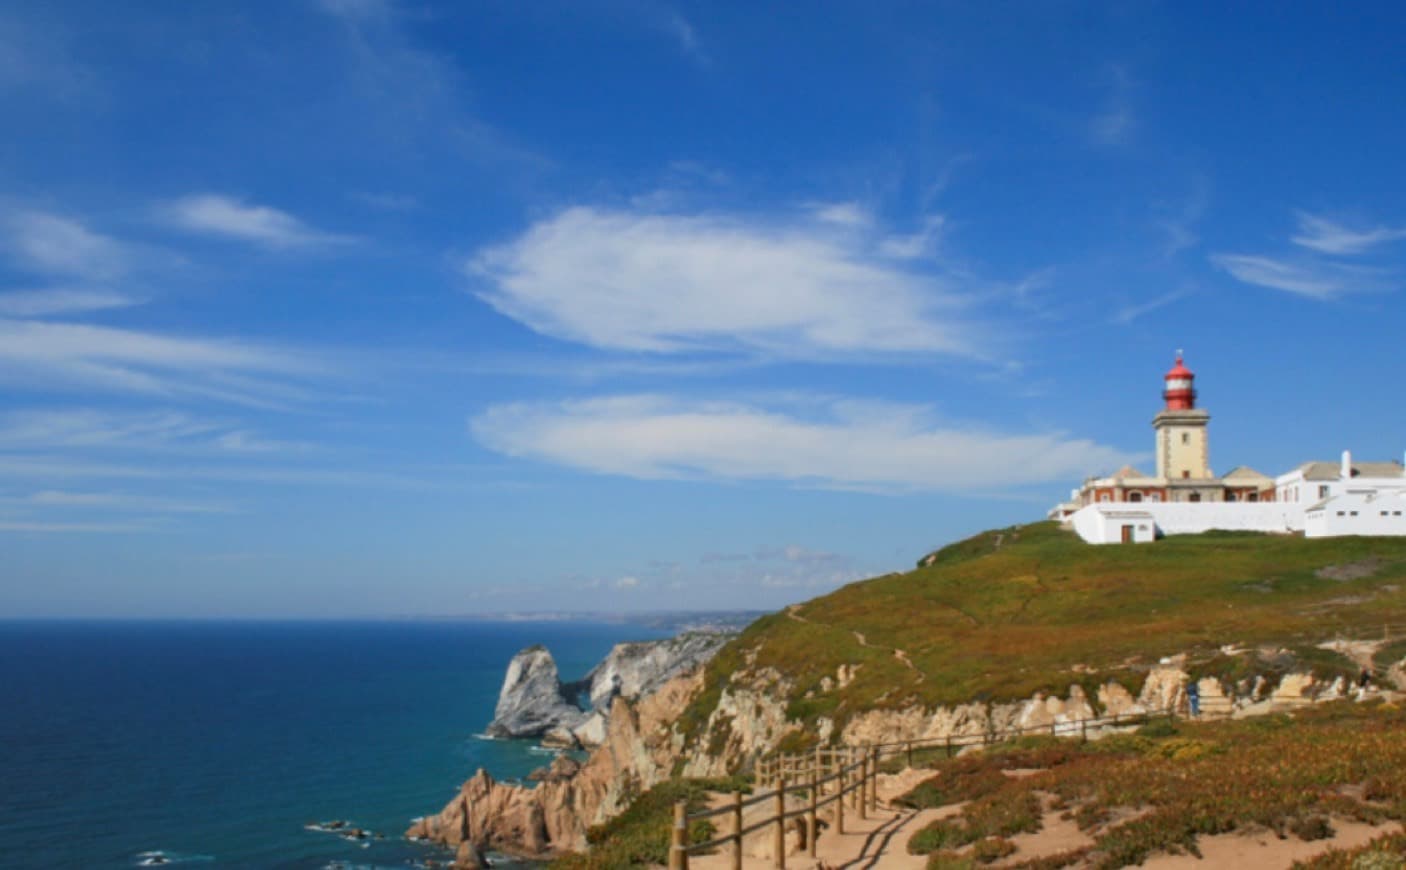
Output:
(672, 621)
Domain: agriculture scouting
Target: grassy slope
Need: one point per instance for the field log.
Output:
(1009, 612)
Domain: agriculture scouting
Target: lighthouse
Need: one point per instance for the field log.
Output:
(1183, 449)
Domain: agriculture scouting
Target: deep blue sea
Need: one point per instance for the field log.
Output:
(216, 742)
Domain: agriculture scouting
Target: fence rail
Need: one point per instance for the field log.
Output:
(845, 774)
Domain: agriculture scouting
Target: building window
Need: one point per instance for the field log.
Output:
(1186, 437)
(1157, 496)
(1185, 474)
(1254, 496)
(1137, 496)
(1103, 496)
(1323, 491)
(1195, 496)
(1352, 513)
(1340, 513)
(1396, 513)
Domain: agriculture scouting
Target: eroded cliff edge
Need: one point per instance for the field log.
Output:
(1023, 627)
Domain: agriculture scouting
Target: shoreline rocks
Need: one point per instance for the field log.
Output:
(535, 703)
(533, 700)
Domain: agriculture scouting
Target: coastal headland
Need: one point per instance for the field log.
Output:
(1011, 629)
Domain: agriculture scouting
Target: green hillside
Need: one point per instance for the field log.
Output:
(1007, 613)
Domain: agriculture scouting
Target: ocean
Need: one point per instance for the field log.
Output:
(218, 742)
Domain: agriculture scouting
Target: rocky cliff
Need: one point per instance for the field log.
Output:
(632, 670)
(1027, 627)
(533, 700)
(535, 703)
(638, 751)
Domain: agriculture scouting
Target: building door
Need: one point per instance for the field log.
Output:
(1127, 534)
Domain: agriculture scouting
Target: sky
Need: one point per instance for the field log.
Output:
(358, 308)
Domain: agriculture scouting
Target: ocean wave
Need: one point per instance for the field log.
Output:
(161, 858)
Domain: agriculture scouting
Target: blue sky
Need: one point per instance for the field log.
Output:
(358, 307)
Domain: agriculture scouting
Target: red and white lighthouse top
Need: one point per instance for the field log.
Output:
(1180, 392)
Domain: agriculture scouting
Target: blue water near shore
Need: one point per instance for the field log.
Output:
(216, 742)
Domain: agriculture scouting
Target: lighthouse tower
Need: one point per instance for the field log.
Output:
(1183, 451)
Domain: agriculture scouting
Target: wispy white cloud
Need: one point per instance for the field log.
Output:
(84, 427)
(1330, 237)
(56, 528)
(409, 94)
(1311, 279)
(1115, 124)
(1129, 313)
(230, 217)
(41, 353)
(686, 36)
(54, 245)
(163, 430)
(627, 582)
(61, 300)
(663, 283)
(913, 246)
(120, 501)
(847, 445)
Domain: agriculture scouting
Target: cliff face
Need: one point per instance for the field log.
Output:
(638, 751)
(533, 700)
(632, 670)
(535, 703)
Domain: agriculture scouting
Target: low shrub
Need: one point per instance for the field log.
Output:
(992, 849)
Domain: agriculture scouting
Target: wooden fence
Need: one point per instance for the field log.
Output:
(840, 775)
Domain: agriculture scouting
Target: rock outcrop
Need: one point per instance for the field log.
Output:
(533, 700)
(638, 751)
(635, 669)
(535, 703)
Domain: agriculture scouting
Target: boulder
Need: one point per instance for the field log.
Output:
(533, 701)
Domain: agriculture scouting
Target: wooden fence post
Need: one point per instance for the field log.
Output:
(1084, 730)
(781, 823)
(839, 798)
(949, 745)
(862, 783)
(812, 822)
(910, 753)
(678, 858)
(874, 781)
(737, 830)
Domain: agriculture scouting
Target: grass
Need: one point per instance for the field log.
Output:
(1141, 794)
(640, 835)
(1032, 608)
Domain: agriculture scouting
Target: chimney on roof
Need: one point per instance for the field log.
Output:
(1347, 465)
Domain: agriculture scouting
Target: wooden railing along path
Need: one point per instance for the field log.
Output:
(840, 775)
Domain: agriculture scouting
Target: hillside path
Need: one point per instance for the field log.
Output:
(879, 842)
(793, 611)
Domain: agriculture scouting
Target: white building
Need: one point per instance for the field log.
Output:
(1368, 498)
(1318, 499)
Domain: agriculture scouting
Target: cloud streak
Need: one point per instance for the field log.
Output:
(42, 353)
(1329, 237)
(1310, 279)
(848, 445)
(61, 300)
(231, 218)
(54, 245)
(661, 283)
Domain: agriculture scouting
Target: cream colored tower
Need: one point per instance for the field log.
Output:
(1183, 449)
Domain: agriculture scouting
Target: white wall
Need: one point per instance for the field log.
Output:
(1369, 508)
(1190, 518)
(1101, 524)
